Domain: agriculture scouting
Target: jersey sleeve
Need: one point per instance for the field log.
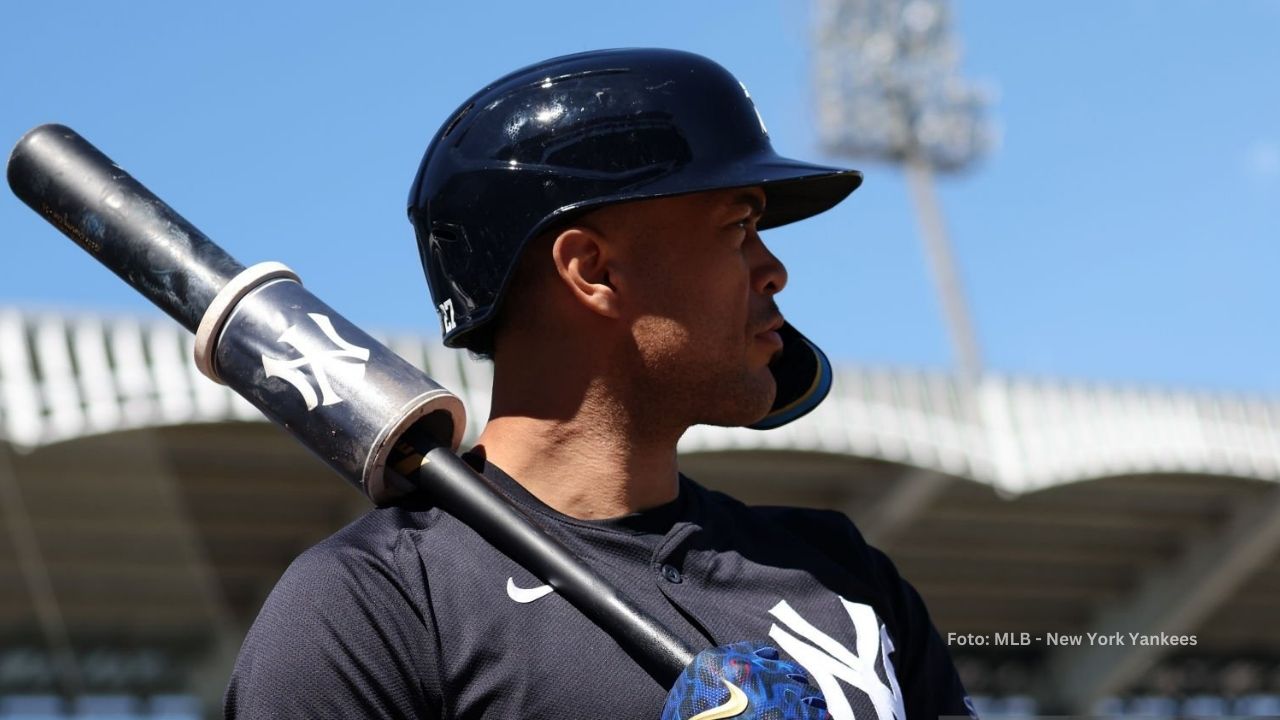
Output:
(341, 635)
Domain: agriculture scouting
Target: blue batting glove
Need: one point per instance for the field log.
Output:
(743, 680)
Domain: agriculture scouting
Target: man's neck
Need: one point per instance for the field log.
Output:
(585, 466)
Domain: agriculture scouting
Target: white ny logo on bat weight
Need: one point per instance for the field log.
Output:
(341, 360)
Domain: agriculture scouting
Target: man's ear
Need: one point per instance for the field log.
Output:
(584, 262)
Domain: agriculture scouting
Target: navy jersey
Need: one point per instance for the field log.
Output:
(407, 613)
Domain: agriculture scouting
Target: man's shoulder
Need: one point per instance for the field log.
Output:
(824, 526)
(346, 631)
(370, 549)
(797, 531)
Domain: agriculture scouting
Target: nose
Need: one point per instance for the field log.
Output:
(768, 275)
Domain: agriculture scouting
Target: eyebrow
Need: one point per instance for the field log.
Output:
(755, 202)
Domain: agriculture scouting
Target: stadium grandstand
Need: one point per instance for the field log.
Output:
(146, 513)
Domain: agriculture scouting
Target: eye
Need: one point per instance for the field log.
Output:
(740, 230)
(742, 222)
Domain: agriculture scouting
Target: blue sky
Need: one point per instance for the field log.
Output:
(1124, 231)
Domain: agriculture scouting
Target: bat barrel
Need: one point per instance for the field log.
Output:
(120, 222)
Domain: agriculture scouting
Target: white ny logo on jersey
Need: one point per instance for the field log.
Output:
(828, 661)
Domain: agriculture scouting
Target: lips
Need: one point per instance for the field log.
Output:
(770, 333)
(772, 337)
(772, 328)
(773, 324)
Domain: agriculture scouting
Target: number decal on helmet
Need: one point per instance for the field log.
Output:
(446, 315)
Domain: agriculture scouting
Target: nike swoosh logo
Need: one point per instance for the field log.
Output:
(526, 595)
(733, 707)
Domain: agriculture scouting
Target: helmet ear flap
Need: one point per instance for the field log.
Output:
(803, 377)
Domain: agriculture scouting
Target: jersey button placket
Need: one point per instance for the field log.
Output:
(670, 573)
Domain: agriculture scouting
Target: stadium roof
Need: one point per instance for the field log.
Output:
(71, 376)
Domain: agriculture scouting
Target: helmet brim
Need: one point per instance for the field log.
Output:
(796, 190)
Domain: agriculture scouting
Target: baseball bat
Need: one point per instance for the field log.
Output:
(378, 421)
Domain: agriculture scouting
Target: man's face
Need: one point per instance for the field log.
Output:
(699, 287)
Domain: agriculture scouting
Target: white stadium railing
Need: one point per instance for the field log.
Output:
(64, 376)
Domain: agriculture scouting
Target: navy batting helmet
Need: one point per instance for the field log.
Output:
(560, 137)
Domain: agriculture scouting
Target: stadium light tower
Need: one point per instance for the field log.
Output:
(888, 88)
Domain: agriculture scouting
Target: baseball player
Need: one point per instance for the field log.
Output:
(592, 223)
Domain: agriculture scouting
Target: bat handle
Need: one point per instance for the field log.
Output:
(472, 499)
